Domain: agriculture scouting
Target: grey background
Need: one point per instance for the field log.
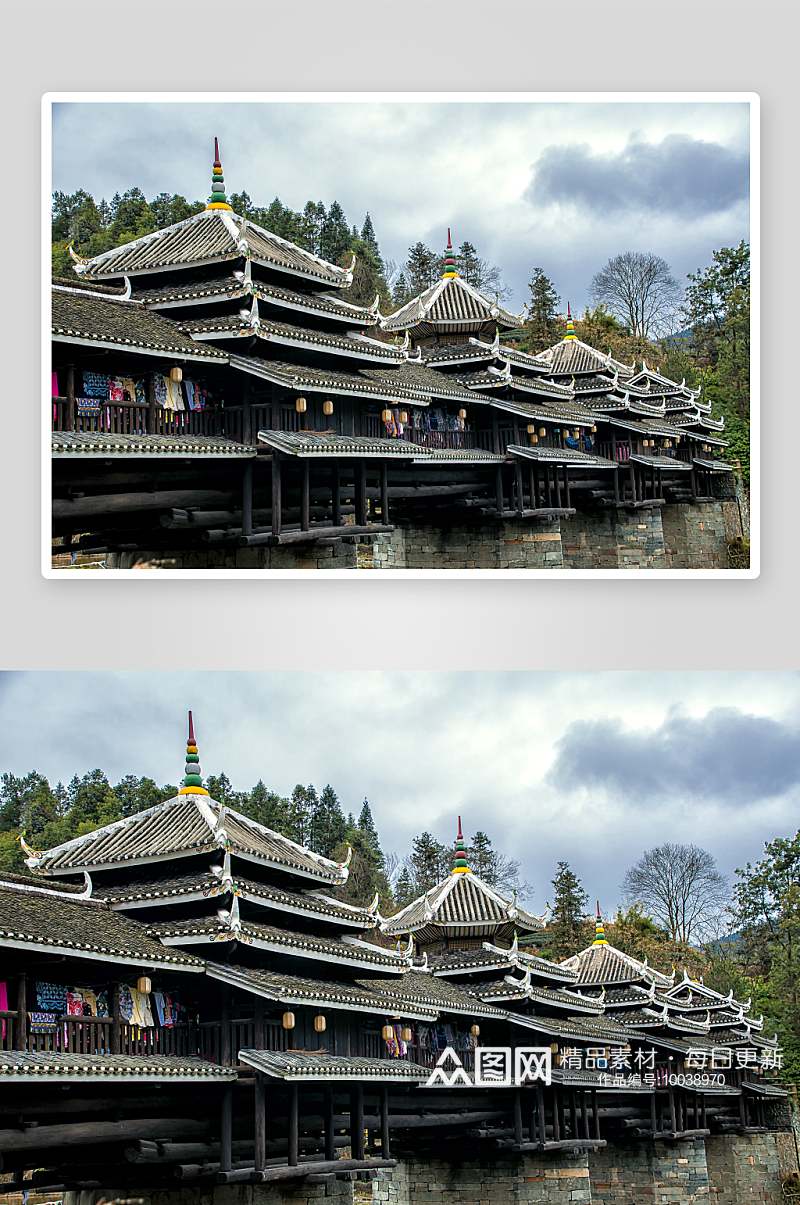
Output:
(362, 622)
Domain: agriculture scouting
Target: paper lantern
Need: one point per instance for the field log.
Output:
(593, 430)
(319, 1024)
(576, 432)
(387, 1033)
(462, 413)
(554, 1047)
(386, 415)
(534, 439)
(404, 417)
(300, 405)
(405, 1034)
(475, 1031)
(288, 1020)
(144, 985)
(327, 407)
(531, 429)
(175, 374)
(542, 432)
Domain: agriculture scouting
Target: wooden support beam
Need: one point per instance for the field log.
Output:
(518, 1115)
(260, 1122)
(226, 1130)
(558, 485)
(361, 493)
(115, 1018)
(276, 494)
(498, 488)
(22, 1015)
(302, 1170)
(111, 504)
(556, 1126)
(68, 423)
(247, 420)
(225, 1027)
(385, 1120)
(318, 532)
(595, 1113)
(258, 1023)
(304, 497)
(384, 492)
(330, 1147)
(566, 484)
(247, 499)
(336, 496)
(294, 1128)
(518, 482)
(80, 1133)
(357, 1121)
(151, 403)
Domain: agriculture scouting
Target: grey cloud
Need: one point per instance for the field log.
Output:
(727, 757)
(681, 176)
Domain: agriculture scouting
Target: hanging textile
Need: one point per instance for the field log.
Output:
(125, 1002)
(174, 394)
(42, 1022)
(74, 1003)
(402, 1048)
(87, 405)
(128, 389)
(102, 1004)
(158, 1002)
(115, 390)
(51, 997)
(160, 383)
(3, 1003)
(141, 1007)
(140, 395)
(55, 385)
(96, 384)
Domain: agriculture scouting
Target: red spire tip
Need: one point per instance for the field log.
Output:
(449, 247)
(216, 154)
(191, 729)
(598, 910)
(460, 837)
(568, 313)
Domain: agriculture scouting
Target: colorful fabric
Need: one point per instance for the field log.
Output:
(42, 1022)
(402, 1048)
(158, 1002)
(174, 394)
(3, 1003)
(128, 389)
(96, 384)
(87, 405)
(140, 393)
(74, 1003)
(141, 1008)
(115, 390)
(125, 1002)
(55, 385)
(102, 1004)
(161, 390)
(51, 997)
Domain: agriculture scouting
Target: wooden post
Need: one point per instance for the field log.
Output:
(276, 493)
(357, 1121)
(633, 481)
(361, 493)
(115, 1018)
(556, 1125)
(151, 403)
(518, 480)
(294, 1127)
(226, 1130)
(304, 496)
(225, 1034)
(330, 1144)
(518, 1117)
(672, 1116)
(532, 1134)
(534, 484)
(542, 1118)
(616, 485)
(260, 1153)
(693, 481)
(247, 499)
(495, 434)
(68, 423)
(558, 485)
(595, 1114)
(498, 488)
(247, 419)
(336, 495)
(585, 1113)
(22, 1014)
(573, 1113)
(548, 491)
(566, 484)
(258, 1024)
(385, 1121)
(384, 492)
(653, 1117)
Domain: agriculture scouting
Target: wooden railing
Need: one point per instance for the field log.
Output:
(440, 439)
(8, 1029)
(94, 1035)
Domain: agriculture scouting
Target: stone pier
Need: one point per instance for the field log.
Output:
(614, 539)
(488, 544)
(694, 536)
(650, 1173)
(744, 1168)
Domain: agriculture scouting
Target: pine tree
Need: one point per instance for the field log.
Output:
(220, 788)
(420, 269)
(370, 241)
(335, 236)
(541, 326)
(265, 807)
(367, 827)
(428, 862)
(482, 859)
(467, 263)
(328, 824)
(569, 906)
(400, 292)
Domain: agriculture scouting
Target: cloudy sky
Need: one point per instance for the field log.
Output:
(589, 768)
(557, 185)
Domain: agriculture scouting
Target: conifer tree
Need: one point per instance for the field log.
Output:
(569, 906)
(419, 269)
(400, 292)
(328, 824)
(428, 862)
(541, 325)
(335, 236)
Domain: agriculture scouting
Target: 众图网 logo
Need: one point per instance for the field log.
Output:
(493, 1067)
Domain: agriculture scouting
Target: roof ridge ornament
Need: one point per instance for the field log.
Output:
(254, 320)
(599, 931)
(80, 264)
(496, 342)
(449, 260)
(461, 848)
(193, 781)
(126, 296)
(218, 199)
(343, 871)
(570, 326)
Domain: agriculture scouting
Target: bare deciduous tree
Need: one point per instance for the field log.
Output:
(681, 887)
(640, 290)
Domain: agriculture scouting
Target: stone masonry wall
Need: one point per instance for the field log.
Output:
(694, 536)
(287, 556)
(493, 544)
(296, 1193)
(505, 1180)
(649, 1172)
(743, 1168)
(613, 539)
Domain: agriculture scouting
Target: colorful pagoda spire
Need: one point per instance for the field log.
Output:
(193, 782)
(217, 200)
(570, 326)
(449, 260)
(599, 934)
(461, 850)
